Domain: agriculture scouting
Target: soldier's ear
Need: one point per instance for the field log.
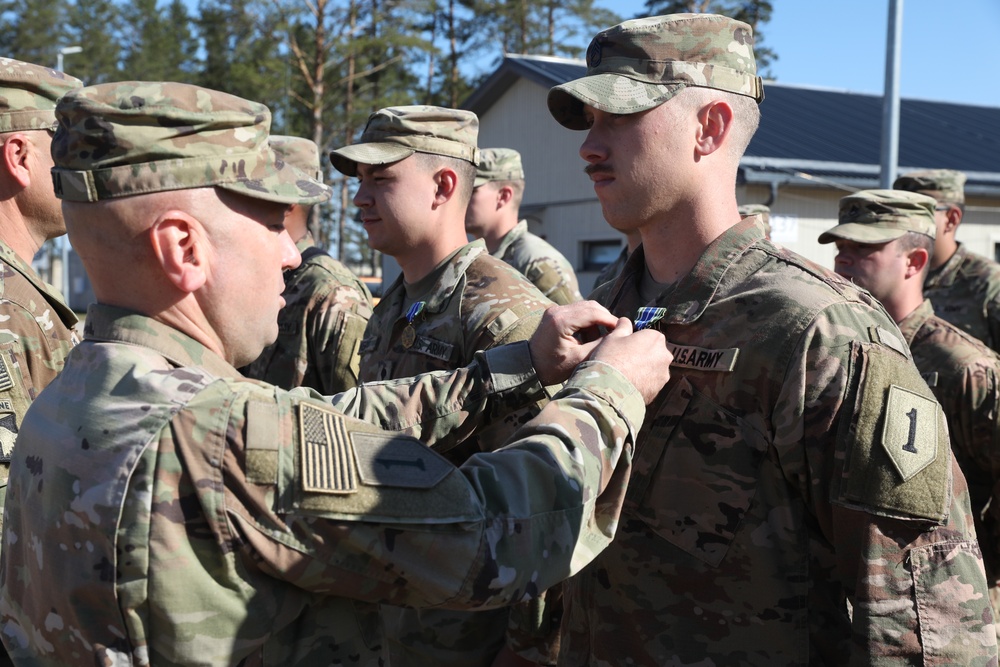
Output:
(446, 182)
(916, 260)
(954, 219)
(715, 120)
(180, 245)
(14, 155)
(504, 196)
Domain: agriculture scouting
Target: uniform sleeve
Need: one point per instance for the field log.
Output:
(553, 281)
(993, 320)
(444, 407)
(892, 511)
(335, 327)
(345, 509)
(976, 442)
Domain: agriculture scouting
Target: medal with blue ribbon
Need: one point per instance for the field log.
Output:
(409, 333)
(647, 317)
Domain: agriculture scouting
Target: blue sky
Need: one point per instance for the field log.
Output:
(949, 56)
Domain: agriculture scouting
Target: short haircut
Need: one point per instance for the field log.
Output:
(746, 115)
(517, 187)
(913, 240)
(466, 172)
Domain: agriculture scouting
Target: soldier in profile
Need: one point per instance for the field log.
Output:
(963, 287)
(494, 216)
(326, 306)
(885, 243)
(416, 166)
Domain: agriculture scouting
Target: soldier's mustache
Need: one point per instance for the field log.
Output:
(597, 169)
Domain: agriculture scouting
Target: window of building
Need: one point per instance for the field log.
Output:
(598, 254)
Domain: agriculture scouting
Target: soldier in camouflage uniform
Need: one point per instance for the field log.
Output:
(885, 240)
(796, 461)
(963, 287)
(493, 215)
(36, 332)
(326, 306)
(166, 510)
(451, 300)
(760, 210)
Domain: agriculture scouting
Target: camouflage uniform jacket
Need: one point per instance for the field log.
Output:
(319, 329)
(36, 334)
(964, 375)
(166, 510)
(794, 462)
(965, 291)
(477, 302)
(611, 271)
(544, 266)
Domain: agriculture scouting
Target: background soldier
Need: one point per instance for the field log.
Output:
(36, 332)
(416, 167)
(494, 216)
(885, 240)
(963, 287)
(796, 461)
(326, 306)
(165, 509)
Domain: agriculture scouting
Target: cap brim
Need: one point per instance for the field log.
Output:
(859, 233)
(612, 93)
(288, 185)
(346, 159)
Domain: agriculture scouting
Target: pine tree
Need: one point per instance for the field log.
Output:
(94, 26)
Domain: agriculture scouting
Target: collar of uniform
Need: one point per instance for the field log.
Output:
(517, 232)
(453, 270)
(688, 299)
(51, 294)
(911, 323)
(947, 273)
(305, 243)
(118, 325)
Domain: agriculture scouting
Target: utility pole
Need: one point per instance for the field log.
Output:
(890, 95)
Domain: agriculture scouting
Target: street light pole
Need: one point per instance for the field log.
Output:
(65, 51)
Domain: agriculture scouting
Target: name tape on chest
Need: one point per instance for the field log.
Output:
(702, 359)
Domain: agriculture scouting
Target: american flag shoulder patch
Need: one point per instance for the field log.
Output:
(327, 456)
(6, 380)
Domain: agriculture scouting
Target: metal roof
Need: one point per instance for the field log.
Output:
(820, 132)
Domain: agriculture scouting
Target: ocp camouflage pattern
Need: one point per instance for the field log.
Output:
(320, 327)
(964, 375)
(774, 484)
(541, 263)
(165, 510)
(965, 291)
(28, 95)
(473, 302)
(129, 138)
(36, 334)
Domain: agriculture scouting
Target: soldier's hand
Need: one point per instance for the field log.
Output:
(641, 356)
(557, 345)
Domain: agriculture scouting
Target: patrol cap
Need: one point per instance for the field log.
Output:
(880, 216)
(395, 133)
(499, 164)
(130, 138)
(303, 154)
(642, 63)
(945, 185)
(28, 95)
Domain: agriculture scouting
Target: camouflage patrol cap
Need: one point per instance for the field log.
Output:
(303, 154)
(499, 164)
(131, 138)
(880, 216)
(642, 63)
(28, 95)
(945, 185)
(395, 133)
